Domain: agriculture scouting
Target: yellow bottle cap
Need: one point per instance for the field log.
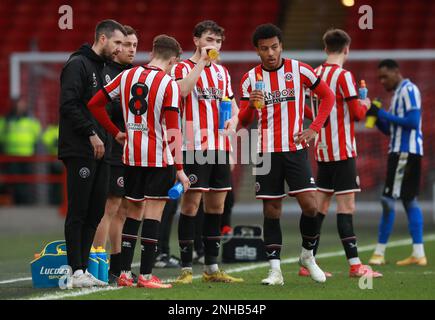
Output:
(226, 99)
(100, 249)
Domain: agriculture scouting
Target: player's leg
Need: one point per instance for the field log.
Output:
(214, 203)
(110, 210)
(164, 259)
(302, 186)
(186, 233)
(270, 189)
(116, 191)
(115, 237)
(134, 180)
(226, 228)
(408, 194)
(388, 211)
(157, 182)
(325, 190)
(149, 241)
(198, 244)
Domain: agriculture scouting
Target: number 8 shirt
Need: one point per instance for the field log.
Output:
(145, 93)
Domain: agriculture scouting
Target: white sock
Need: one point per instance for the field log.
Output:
(275, 264)
(306, 253)
(212, 268)
(418, 250)
(186, 268)
(354, 261)
(380, 249)
(78, 272)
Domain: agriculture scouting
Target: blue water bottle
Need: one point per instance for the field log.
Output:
(176, 191)
(93, 263)
(103, 264)
(259, 85)
(224, 112)
(362, 91)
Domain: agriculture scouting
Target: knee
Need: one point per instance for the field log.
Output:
(272, 209)
(309, 208)
(387, 204)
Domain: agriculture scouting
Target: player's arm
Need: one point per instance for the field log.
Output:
(73, 81)
(347, 86)
(383, 126)
(327, 99)
(171, 111)
(188, 82)
(247, 107)
(411, 119)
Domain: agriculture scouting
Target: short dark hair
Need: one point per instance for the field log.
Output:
(166, 47)
(266, 31)
(389, 64)
(129, 30)
(335, 40)
(208, 25)
(108, 27)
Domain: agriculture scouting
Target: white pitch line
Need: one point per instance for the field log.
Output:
(254, 266)
(81, 292)
(15, 280)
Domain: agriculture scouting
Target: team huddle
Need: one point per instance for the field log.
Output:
(127, 139)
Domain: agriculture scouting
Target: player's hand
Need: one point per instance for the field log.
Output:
(181, 176)
(231, 126)
(120, 137)
(374, 108)
(366, 102)
(307, 135)
(204, 53)
(255, 96)
(98, 146)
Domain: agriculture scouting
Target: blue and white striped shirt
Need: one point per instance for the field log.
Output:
(406, 98)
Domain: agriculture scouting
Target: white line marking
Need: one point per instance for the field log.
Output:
(83, 292)
(16, 280)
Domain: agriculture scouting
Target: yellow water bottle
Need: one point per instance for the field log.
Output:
(371, 120)
(213, 54)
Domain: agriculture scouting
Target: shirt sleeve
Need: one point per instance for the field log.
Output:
(178, 72)
(347, 85)
(411, 97)
(246, 114)
(308, 77)
(229, 87)
(113, 89)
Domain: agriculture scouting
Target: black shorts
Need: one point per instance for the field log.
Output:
(292, 167)
(148, 183)
(116, 184)
(403, 176)
(208, 170)
(338, 177)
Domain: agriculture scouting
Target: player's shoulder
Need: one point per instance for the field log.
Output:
(408, 86)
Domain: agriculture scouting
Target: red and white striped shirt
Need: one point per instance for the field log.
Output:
(336, 140)
(281, 119)
(144, 92)
(200, 109)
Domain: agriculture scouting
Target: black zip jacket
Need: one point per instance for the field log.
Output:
(111, 70)
(80, 79)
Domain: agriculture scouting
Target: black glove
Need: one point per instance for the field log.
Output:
(374, 108)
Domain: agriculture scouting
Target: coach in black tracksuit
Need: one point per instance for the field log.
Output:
(83, 142)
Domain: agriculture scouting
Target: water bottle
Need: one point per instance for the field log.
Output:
(213, 54)
(259, 85)
(362, 91)
(93, 263)
(103, 264)
(224, 112)
(176, 191)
